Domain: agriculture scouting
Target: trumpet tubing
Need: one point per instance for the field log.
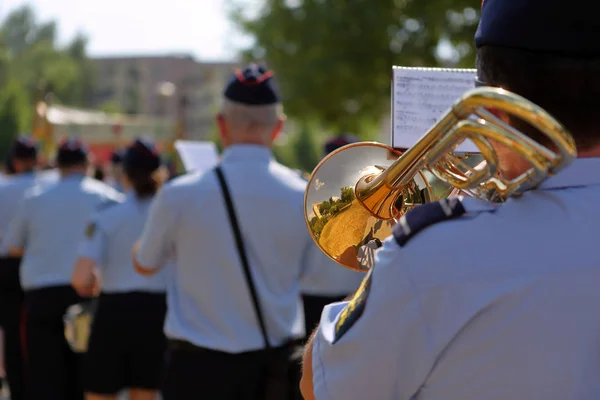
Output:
(358, 192)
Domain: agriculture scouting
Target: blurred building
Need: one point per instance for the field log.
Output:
(155, 85)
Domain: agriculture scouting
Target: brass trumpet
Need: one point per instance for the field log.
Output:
(350, 209)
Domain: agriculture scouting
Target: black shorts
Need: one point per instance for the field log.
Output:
(10, 281)
(199, 373)
(53, 370)
(127, 345)
(195, 373)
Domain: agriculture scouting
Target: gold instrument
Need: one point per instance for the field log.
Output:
(350, 209)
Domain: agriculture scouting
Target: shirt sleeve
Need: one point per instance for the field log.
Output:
(376, 346)
(313, 259)
(94, 243)
(156, 240)
(16, 234)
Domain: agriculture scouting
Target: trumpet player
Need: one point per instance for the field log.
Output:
(490, 302)
(127, 346)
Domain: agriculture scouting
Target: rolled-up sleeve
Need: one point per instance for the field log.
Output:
(376, 348)
(16, 234)
(93, 245)
(156, 240)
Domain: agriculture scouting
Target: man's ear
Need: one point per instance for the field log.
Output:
(278, 128)
(222, 127)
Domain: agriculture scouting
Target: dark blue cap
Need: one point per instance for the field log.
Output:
(71, 151)
(253, 86)
(339, 141)
(117, 157)
(9, 167)
(141, 155)
(24, 148)
(570, 28)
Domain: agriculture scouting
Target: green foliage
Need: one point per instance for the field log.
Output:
(347, 195)
(30, 61)
(13, 100)
(110, 107)
(333, 58)
(299, 148)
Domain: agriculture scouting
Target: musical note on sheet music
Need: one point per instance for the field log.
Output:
(420, 96)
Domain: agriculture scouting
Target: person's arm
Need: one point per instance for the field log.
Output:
(86, 277)
(376, 345)
(154, 247)
(16, 235)
(306, 383)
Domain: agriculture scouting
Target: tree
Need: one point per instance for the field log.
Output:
(30, 58)
(83, 92)
(347, 194)
(132, 91)
(333, 58)
(111, 107)
(305, 149)
(12, 104)
(34, 57)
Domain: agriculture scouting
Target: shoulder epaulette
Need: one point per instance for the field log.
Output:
(106, 204)
(426, 215)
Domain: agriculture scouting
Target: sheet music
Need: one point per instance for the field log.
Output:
(420, 96)
(197, 155)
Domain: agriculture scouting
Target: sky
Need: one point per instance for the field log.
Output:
(118, 27)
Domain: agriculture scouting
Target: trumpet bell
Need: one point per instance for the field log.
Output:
(347, 221)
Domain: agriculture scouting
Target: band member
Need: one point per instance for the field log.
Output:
(212, 322)
(23, 158)
(115, 176)
(338, 141)
(333, 284)
(127, 345)
(498, 301)
(45, 231)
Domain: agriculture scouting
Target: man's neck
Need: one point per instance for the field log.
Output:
(247, 142)
(71, 172)
(589, 153)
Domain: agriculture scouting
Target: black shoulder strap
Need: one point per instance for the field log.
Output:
(242, 252)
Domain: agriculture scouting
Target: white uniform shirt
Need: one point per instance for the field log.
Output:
(12, 192)
(209, 303)
(113, 233)
(50, 224)
(498, 304)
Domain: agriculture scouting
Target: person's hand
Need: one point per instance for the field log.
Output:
(85, 279)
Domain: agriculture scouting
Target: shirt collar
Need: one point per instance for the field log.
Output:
(131, 197)
(582, 172)
(247, 153)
